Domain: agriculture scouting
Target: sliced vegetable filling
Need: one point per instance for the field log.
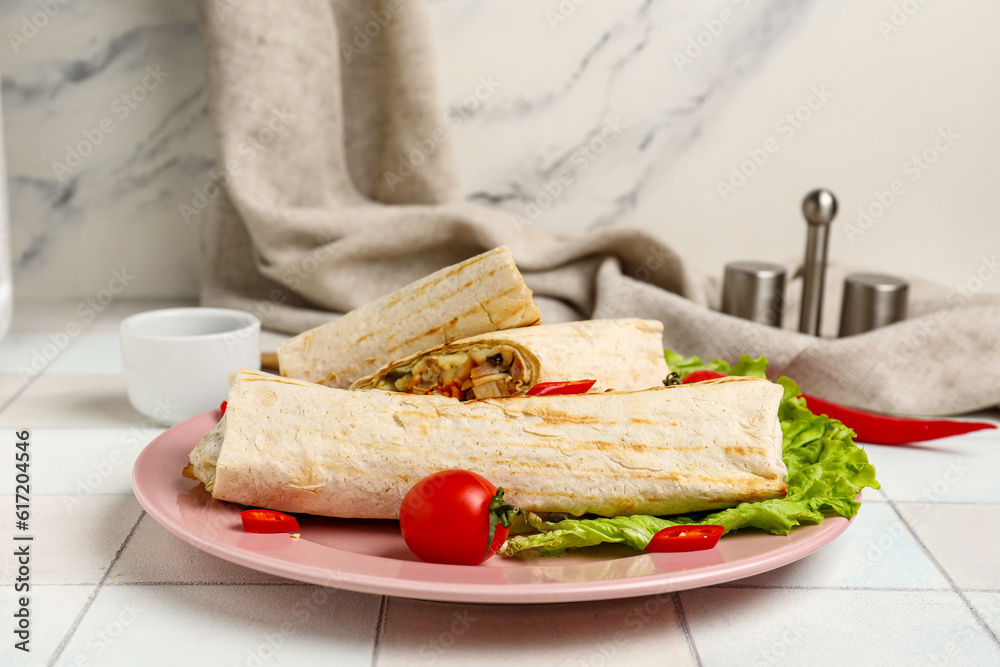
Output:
(480, 373)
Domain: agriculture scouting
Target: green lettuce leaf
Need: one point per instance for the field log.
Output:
(747, 365)
(682, 366)
(826, 471)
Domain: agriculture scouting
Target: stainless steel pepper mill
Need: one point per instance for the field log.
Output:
(819, 208)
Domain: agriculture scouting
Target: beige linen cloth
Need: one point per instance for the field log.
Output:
(338, 186)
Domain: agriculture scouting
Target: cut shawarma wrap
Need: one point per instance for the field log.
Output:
(484, 293)
(623, 355)
(294, 446)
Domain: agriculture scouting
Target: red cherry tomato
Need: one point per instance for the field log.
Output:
(268, 521)
(701, 376)
(449, 517)
(685, 538)
(222, 407)
(556, 388)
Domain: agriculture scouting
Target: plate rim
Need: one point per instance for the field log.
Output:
(482, 593)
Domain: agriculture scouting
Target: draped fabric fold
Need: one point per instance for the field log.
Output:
(338, 185)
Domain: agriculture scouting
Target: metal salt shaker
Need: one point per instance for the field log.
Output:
(754, 291)
(872, 300)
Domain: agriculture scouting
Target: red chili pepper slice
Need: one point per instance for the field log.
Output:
(685, 538)
(874, 428)
(268, 521)
(223, 406)
(884, 430)
(701, 376)
(555, 388)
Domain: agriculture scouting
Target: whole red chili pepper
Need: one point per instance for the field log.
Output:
(884, 430)
(873, 428)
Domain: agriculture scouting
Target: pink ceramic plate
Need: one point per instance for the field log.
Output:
(370, 556)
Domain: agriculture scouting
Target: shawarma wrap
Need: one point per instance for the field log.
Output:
(484, 293)
(294, 446)
(624, 355)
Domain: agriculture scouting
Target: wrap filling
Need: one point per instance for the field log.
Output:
(477, 373)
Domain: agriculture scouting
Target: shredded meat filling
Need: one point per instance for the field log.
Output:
(480, 373)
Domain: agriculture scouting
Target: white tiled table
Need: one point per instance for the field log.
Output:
(915, 579)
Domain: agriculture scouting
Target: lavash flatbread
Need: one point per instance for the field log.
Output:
(622, 354)
(484, 293)
(294, 446)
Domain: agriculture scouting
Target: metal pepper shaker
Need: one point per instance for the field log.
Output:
(872, 300)
(754, 291)
(819, 208)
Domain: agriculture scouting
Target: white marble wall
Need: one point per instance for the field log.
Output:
(83, 77)
(602, 113)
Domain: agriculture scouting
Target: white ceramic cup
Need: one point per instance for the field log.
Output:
(177, 361)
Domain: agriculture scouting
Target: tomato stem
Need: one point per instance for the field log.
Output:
(500, 513)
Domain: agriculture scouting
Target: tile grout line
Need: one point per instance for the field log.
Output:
(853, 589)
(951, 581)
(125, 584)
(922, 501)
(946, 502)
(379, 628)
(682, 617)
(764, 587)
(45, 368)
(17, 394)
(730, 586)
(93, 595)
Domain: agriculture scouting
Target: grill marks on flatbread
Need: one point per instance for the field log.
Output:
(294, 446)
(484, 293)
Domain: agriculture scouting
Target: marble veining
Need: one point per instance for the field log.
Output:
(612, 73)
(106, 122)
(577, 114)
(696, 86)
